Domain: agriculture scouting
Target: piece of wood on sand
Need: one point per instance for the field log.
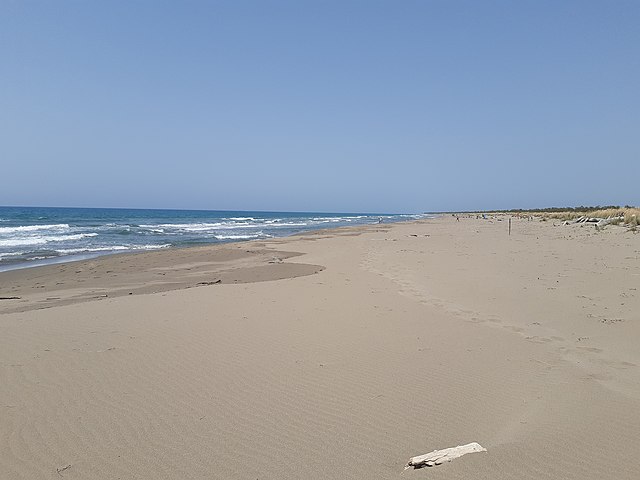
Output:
(438, 457)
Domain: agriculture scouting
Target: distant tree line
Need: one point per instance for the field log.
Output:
(581, 208)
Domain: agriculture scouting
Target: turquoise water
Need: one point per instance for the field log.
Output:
(32, 236)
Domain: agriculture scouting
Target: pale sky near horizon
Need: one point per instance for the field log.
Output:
(360, 106)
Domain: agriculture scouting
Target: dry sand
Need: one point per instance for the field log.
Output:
(332, 355)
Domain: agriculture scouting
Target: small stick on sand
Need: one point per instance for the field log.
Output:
(438, 457)
(60, 470)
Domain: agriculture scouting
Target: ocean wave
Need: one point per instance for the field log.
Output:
(289, 224)
(10, 254)
(71, 251)
(182, 226)
(200, 227)
(19, 241)
(339, 219)
(242, 237)
(151, 247)
(110, 248)
(221, 226)
(33, 228)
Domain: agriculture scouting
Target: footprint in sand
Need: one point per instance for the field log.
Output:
(536, 339)
(514, 328)
(590, 349)
(611, 321)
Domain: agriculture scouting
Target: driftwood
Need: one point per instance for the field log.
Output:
(582, 219)
(585, 219)
(438, 457)
(604, 222)
(600, 222)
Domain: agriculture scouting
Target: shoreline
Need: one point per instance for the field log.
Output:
(9, 267)
(73, 258)
(104, 251)
(212, 266)
(375, 343)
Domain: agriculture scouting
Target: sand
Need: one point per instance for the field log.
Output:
(337, 354)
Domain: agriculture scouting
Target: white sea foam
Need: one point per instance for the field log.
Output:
(10, 254)
(32, 228)
(183, 226)
(71, 251)
(337, 219)
(224, 226)
(200, 227)
(289, 224)
(40, 240)
(150, 247)
(111, 248)
(241, 237)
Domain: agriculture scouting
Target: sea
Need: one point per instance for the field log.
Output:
(32, 236)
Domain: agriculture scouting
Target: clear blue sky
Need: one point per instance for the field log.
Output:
(392, 106)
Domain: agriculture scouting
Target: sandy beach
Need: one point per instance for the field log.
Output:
(336, 354)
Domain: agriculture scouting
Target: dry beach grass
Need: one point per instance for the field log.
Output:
(629, 216)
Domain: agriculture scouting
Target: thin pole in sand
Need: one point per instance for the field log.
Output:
(509, 225)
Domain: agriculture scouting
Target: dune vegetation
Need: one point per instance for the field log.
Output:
(627, 216)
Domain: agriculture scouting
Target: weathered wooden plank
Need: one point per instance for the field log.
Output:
(438, 457)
